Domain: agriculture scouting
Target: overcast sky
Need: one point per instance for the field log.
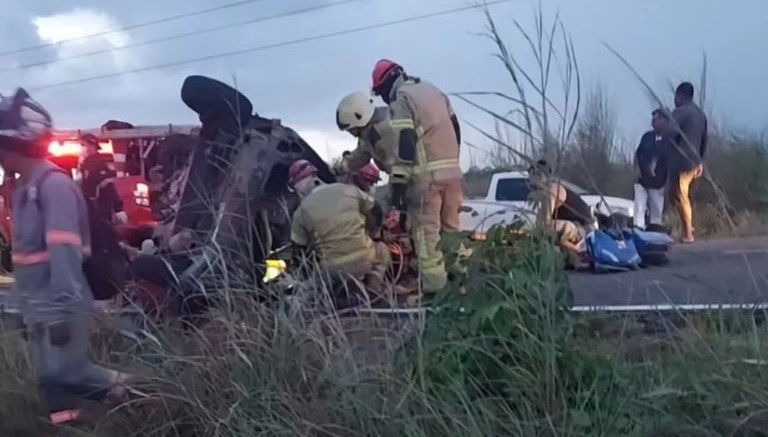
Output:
(302, 83)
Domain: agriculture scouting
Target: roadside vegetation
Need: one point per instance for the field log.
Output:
(501, 355)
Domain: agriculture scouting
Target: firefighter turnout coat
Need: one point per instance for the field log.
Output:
(377, 141)
(434, 179)
(332, 221)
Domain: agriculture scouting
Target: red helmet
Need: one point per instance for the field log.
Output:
(300, 170)
(383, 70)
(370, 173)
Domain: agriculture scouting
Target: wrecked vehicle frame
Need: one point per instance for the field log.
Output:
(235, 203)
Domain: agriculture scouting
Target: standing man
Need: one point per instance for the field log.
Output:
(651, 167)
(690, 138)
(95, 167)
(426, 180)
(51, 240)
(98, 184)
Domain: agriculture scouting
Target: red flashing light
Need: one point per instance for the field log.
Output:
(75, 148)
(65, 148)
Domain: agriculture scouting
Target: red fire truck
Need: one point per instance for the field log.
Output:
(134, 151)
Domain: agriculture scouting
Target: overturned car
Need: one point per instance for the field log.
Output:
(234, 206)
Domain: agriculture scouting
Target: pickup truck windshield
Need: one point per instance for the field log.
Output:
(512, 190)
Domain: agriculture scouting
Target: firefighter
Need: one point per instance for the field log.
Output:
(331, 221)
(95, 167)
(51, 239)
(98, 184)
(357, 114)
(365, 179)
(425, 179)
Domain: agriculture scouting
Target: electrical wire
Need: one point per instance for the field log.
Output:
(132, 26)
(179, 36)
(270, 46)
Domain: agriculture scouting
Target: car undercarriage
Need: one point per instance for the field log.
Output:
(234, 207)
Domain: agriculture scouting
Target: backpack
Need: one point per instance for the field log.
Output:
(652, 246)
(106, 269)
(611, 252)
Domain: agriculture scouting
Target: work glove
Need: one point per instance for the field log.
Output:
(59, 333)
(398, 197)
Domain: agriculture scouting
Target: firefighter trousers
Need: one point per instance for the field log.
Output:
(433, 210)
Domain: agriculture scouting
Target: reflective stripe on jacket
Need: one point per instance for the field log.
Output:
(421, 106)
(331, 220)
(50, 240)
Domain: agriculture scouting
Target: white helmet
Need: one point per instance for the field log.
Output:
(354, 110)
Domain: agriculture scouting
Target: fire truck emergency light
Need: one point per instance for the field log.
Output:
(74, 148)
(64, 148)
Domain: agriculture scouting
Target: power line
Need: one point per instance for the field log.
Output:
(178, 36)
(132, 26)
(271, 46)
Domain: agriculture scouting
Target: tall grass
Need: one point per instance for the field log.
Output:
(500, 355)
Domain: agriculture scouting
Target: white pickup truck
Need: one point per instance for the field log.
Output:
(507, 201)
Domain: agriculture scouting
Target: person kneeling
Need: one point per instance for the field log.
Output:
(331, 221)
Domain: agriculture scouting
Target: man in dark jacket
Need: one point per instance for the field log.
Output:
(651, 167)
(690, 138)
(98, 172)
(95, 166)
